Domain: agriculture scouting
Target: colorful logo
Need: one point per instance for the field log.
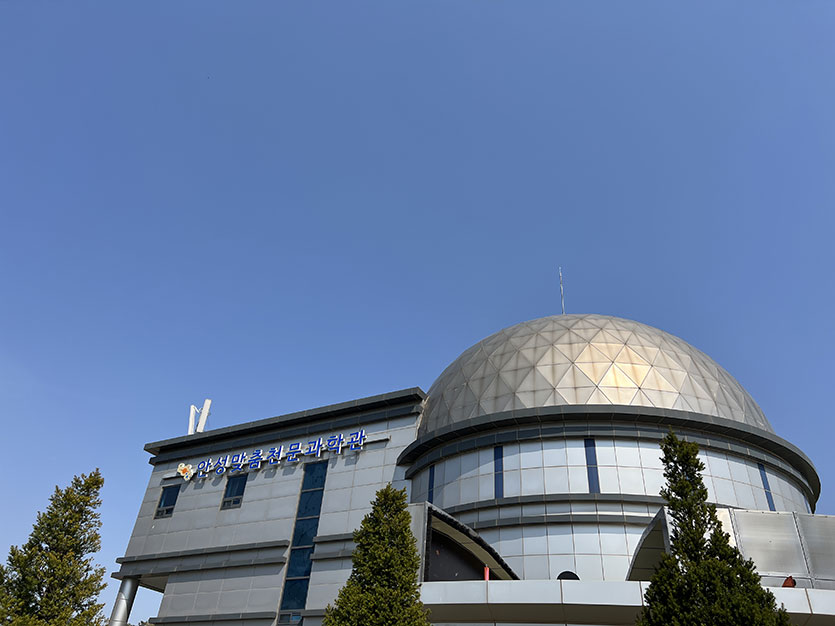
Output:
(186, 471)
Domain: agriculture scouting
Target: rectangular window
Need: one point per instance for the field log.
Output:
(431, 495)
(167, 500)
(234, 494)
(498, 472)
(294, 596)
(591, 466)
(300, 563)
(764, 478)
(310, 503)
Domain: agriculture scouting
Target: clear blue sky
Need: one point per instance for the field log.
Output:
(284, 205)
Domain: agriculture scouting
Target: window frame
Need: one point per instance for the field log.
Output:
(166, 511)
(233, 502)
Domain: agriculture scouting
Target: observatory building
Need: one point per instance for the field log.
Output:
(533, 471)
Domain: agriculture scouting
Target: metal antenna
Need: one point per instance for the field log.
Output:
(204, 415)
(562, 293)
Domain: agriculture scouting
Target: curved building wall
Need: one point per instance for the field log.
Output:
(547, 518)
(624, 466)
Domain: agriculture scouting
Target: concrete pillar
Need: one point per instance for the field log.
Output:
(124, 602)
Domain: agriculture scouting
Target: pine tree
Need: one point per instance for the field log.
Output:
(704, 580)
(383, 587)
(51, 580)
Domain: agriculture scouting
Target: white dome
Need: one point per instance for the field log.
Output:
(585, 360)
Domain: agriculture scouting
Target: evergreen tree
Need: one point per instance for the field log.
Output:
(704, 580)
(383, 587)
(51, 580)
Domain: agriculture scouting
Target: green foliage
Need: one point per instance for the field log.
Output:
(703, 580)
(51, 580)
(383, 588)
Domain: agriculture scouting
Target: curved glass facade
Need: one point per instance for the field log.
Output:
(624, 466)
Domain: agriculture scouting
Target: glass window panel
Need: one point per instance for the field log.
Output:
(608, 479)
(310, 503)
(498, 459)
(776, 482)
(485, 461)
(560, 564)
(739, 472)
(766, 487)
(560, 539)
(589, 567)
(511, 541)
(575, 450)
(511, 483)
(440, 472)
(760, 499)
(745, 495)
(535, 539)
(556, 480)
(536, 567)
(605, 449)
(533, 481)
(530, 454)
(469, 465)
(299, 562)
(718, 465)
(305, 531)
(725, 491)
(295, 594)
(510, 454)
(627, 453)
(711, 492)
(314, 475)
(591, 452)
(586, 539)
(485, 488)
(578, 480)
(553, 453)
(631, 480)
(469, 489)
(431, 488)
(594, 480)
(653, 481)
(169, 496)
(235, 486)
(615, 567)
(650, 453)
(450, 495)
(612, 539)
(452, 469)
(754, 474)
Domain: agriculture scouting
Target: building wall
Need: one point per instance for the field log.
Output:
(625, 466)
(594, 539)
(238, 572)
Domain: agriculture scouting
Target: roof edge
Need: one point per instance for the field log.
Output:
(385, 400)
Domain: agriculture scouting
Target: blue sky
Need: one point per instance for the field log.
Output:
(284, 205)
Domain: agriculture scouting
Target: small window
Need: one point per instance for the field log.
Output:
(234, 494)
(314, 475)
(300, 563)
(305, 531)
(167, 501)
(295, 594)
(310, 504)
